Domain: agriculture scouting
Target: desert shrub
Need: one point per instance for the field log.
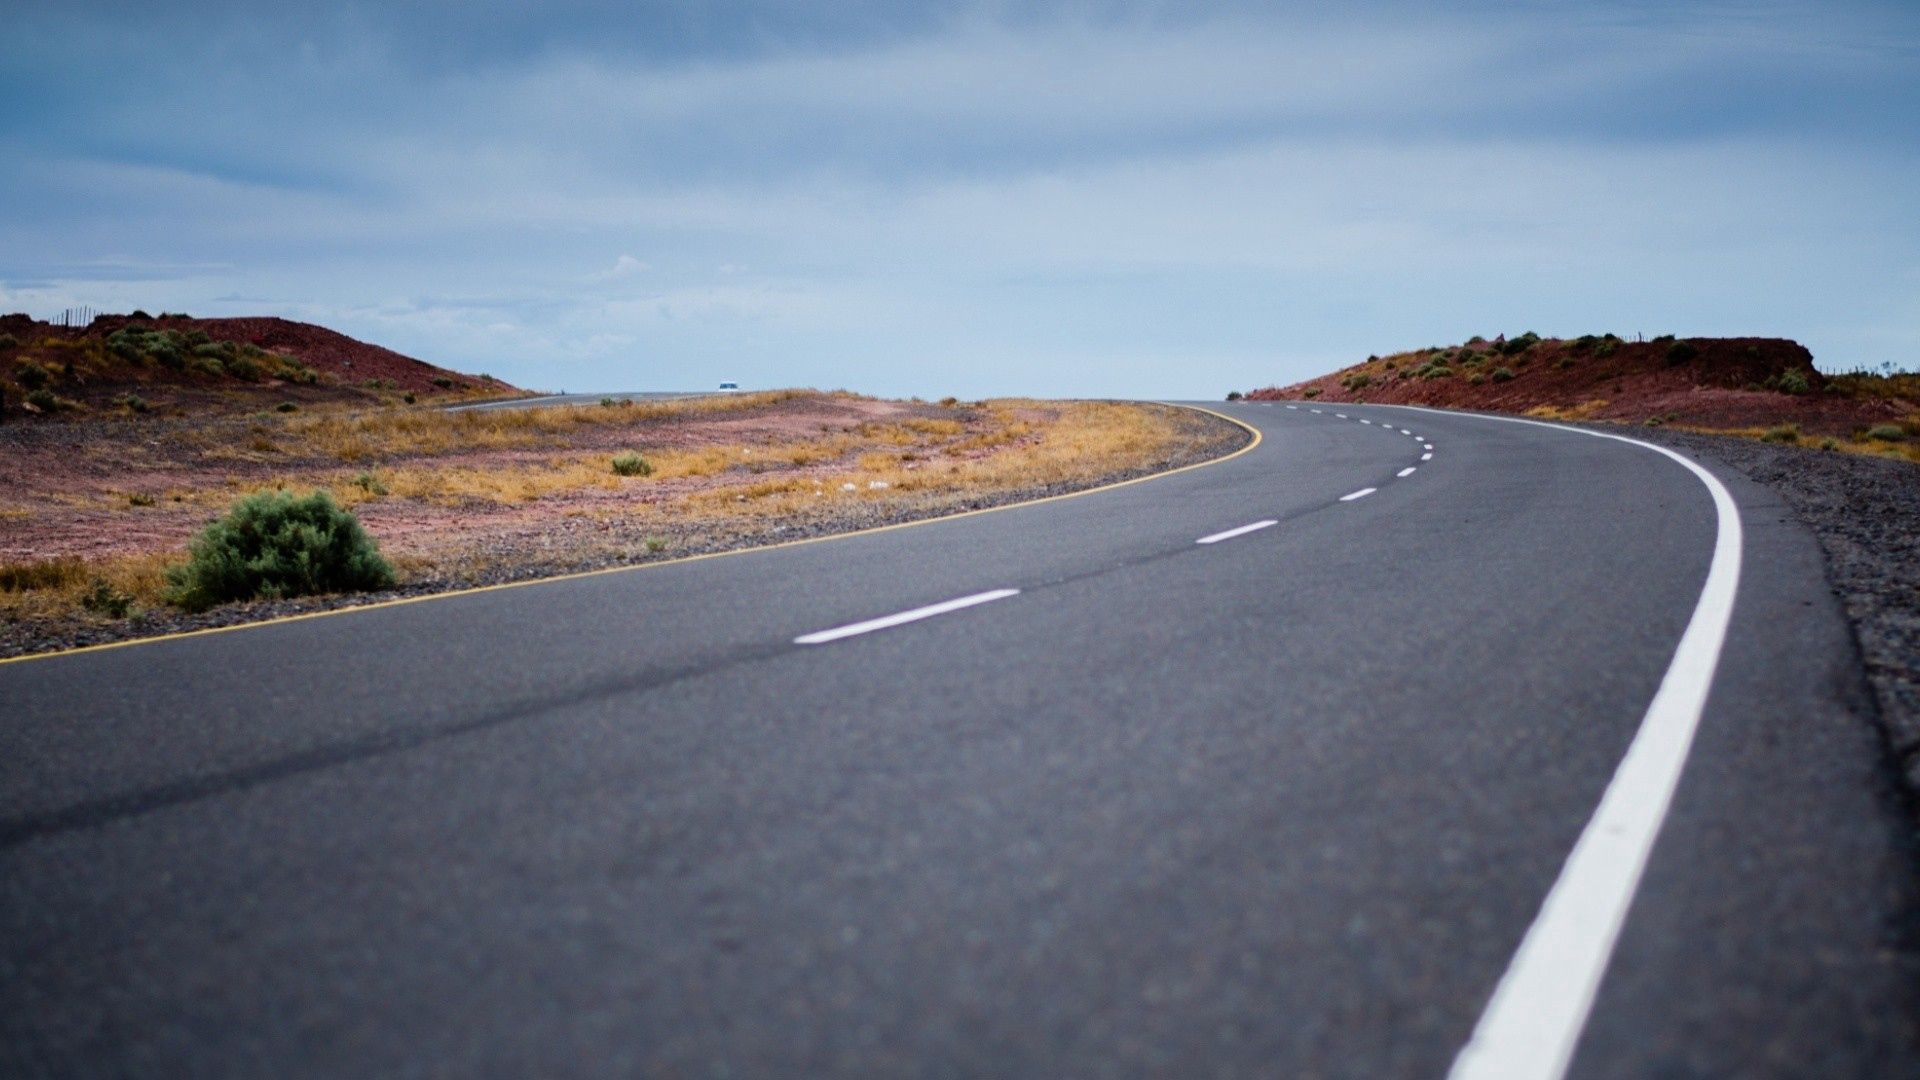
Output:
(443, 382)
(1518, 344)
(213, 349)
(1652, 421)
(139, 314)
(1607, 346)
(44, 400)
(31, 376)
(1887, 433)
(370, 484)
(655, 544)
(139, 498)
(1234, 395)
(1476, 379)
(408, 397)
(274, 545)
(631, 464)
(245, 367)
(1680, 352)
(1789, 382)
(8, 341)
(1502, 374)
(1829, 443)
(286, 406)
(1435, 370)
(102, 598)
(1357, 381)
(132, 403)
(1782, 433)
(607, 402)
(949, 402)
(1310, 392)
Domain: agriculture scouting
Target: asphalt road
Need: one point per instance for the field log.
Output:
(1284, 804)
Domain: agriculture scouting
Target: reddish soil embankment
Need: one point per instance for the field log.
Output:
(184, 365)
(1710, 383)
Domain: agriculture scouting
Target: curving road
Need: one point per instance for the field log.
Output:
(1230, 772)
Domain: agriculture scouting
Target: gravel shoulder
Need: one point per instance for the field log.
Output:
(1865, 511)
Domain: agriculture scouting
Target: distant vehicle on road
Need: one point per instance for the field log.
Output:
(729, 386)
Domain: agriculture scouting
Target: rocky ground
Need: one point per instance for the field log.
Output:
(1866, 513)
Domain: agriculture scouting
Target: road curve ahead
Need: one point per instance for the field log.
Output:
(1264, 768)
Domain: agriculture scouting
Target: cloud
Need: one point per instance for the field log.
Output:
(625, 266)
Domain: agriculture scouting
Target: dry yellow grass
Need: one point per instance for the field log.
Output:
(928, 463)
(362, 435)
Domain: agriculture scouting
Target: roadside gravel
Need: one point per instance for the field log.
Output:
(1866, 513)
(556, 549)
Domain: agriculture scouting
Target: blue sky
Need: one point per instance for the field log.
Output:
(1094, 199)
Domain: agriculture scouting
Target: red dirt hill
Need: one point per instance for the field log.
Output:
(1718, 383)
(181, 364)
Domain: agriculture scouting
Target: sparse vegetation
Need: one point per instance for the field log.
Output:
(31, 376)
(1234, 395)
(631, 464)
(45, 400)
(1502, 374)
(1887, 433)
(1681, 352)
(102, 598)
(273, 545)
(1310, 392)
(1782, 433)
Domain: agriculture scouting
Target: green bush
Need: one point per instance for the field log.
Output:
(1783, 433)
(245, 367)
(8, 341)
(31, 376)
(1357, 381)
(370, 484)
(443, 382)
(104, 599)
(286, 406)
(1887, 433)
(1234, 395)
(631, 464)
(132, 403)
(1679, 352)
(1476, 379)
(274, 545)
(1310, 392)
(44, 400)
(1607, 346)
(1789, 382)
(1502, 374)
(1519, 344)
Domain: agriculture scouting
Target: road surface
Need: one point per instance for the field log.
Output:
(1232, 772)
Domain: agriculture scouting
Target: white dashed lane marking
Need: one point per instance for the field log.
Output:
(1361, 494)
(1231, 533)
(886, 621)
(1408, 471)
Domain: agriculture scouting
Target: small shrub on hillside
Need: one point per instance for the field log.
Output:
(631, 464)
(607, 402)
(103, 599)
(1519, 344)
(1663, 338)
(1310, 392)
(1356, 381)
(408, 397)
(1502, 374)
(949, 402)
(132, 403)
(1607, 346)
(655, 544)
(274, 545)
(1476, 379)
(44, 400)
(31, 376)
(286, 406)
(1681, 352)
(1783, 433)
(1789, 382)
(1234, 395)
(1565, 363)
(370, 484)
(1887, 433)
(246, 368)
(1435, 370)
(1828, 443)
(443, 382)
(8, 341)
(139, 498)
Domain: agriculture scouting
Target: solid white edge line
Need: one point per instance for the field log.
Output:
(1361, 494)
(1533, 1021)
(1408, 471)
(1241, 531)
(885, 621)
